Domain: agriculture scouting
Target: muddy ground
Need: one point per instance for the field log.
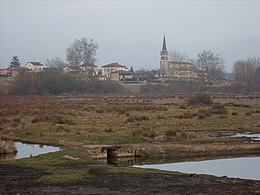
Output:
(20, 180)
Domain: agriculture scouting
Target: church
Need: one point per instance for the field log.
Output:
(170, 70)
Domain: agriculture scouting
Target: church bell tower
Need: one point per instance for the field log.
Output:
(164, 59)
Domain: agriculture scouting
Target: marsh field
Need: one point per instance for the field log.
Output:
(156, 124)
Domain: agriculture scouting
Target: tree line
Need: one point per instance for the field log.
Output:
(247, 73)
(82, 52)
(55, 83)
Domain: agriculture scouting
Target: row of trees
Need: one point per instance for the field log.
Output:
(55, 83)
(247, 73)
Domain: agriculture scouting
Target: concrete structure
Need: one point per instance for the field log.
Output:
(34, 66)
(112, 67)
(121, 75)
(173, 69)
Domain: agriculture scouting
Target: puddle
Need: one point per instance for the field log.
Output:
(244, 168)
(254, 137)
(28, 150)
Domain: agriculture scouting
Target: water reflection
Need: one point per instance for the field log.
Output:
(245, 168)
(28, 150)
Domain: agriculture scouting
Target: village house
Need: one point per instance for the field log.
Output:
(34, 66)
(91, 69)
(8, 72)
(4, 73)
(112, 67)
(67, 69)
(121, 75)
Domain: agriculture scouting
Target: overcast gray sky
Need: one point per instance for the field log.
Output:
(129, 31)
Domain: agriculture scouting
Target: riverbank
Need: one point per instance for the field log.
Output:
(19, 180)
(131, 130)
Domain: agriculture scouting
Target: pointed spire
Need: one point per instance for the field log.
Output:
(164, 49)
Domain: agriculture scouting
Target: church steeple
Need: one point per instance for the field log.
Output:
(164, 62)
(164, 48)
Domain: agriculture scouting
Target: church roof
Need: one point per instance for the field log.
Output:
(164, 48)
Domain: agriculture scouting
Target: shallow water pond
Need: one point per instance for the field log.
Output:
(244, 168)
(253, 137)
(28, 150)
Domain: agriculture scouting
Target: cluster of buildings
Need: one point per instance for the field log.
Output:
(112, 71)
(169, 70)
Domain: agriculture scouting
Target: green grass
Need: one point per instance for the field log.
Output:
(58, 169)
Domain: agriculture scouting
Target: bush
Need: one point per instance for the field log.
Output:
(201, 116)
(137, 118)
(222, 116)
(248, 114)
(170, 133)
(200, 99)
(183, 106)
(186, 115)
(234, 113)
(143, 134)
(55, 83)
(219, 109)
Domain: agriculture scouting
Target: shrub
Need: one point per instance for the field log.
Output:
(36, 119)
(108, 130)
(201, 116)
(206, 113)
(248, 114)
(137, 118)
(55, 83)
(143, 134)
(183, 106)
(219, 109)
(200, 99)
(222, 116)
(161, 117)
(170, 133)
(186, 115)
(234, 113)
(99, 110)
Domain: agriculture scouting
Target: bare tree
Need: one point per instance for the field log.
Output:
(82, 51)
(245, 71)
(212, 63)
(257, 79)
(56, 62)
(178, 57)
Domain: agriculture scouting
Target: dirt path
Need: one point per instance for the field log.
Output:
(18, 180)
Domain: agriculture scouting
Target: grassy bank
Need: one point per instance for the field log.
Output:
(70, 165)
